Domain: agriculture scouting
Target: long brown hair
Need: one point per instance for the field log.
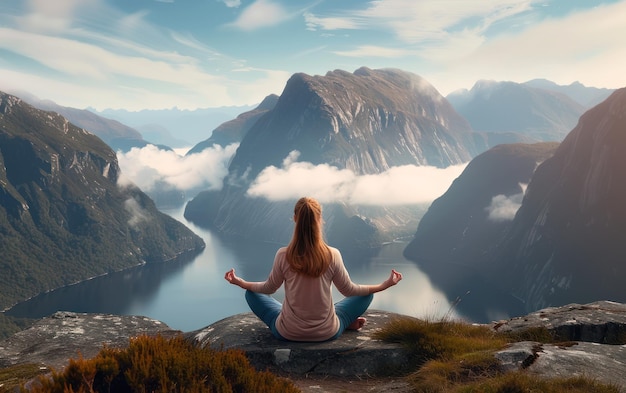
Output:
(308, 253)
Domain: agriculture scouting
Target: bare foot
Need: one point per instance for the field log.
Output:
(357, 324)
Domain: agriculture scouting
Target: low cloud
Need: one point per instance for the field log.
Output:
(150, 166)
(137, 213)
(401, 185)
(504, 208)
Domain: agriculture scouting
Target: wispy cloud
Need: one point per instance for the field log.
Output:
(419, 21)
(261, 13)
(149, 166)
(593, 48)
(232, 3)
(504, 208)
(374, 51)
(137, 213)
(88, 46)
(402, 185)
(314, 22)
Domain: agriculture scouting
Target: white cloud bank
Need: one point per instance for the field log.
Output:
(503, 208)
(150, 166)
(401, 185)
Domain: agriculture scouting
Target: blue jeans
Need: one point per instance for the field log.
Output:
(267, 309)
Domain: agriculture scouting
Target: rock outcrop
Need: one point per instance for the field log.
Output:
(593, 335)
(53, 340)
(593, 344)
(355, 353)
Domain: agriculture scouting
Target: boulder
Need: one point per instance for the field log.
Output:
(354, 353)
(53, 340)
(593, 338)
(601, 322)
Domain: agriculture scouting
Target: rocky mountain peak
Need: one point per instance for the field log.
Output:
(367, 122)
(7, 101)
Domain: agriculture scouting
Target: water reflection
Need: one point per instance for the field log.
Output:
(191, 294)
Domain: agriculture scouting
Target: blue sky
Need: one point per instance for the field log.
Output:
(139, 54)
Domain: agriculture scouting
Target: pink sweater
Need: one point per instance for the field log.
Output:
(308, 312)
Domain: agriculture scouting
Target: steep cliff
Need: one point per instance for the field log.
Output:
(568, 240)
(367, 121)
(63, 217)
(466, 222)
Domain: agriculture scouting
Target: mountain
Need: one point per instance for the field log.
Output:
(234, 130)
(519, 108)
(63, 217)
(568, 240)
(115, 134)
(186, 126)
(160, 135)
(462, 226)
(367, 122)
(584, 95)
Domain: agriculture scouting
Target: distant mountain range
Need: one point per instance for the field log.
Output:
(176, 127)
(63, 217)
(540, 114)
(234, 130)
(115, 134)
(584, 95)
(567, 242)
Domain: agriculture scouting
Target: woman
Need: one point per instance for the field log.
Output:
(307, 267)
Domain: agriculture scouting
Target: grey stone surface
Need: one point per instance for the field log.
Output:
(355, 353)
(600, 322)
(53, 340)
(603, 362)
(593, 338)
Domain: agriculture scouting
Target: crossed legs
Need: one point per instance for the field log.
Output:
(348, 310)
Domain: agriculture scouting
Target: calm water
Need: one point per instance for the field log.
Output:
(192, 294)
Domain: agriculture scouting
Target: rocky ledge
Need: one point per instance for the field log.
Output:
(355, 353)
(594, 337)
(53, 340)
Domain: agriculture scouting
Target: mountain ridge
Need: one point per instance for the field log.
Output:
(544, 115)
(63, 217)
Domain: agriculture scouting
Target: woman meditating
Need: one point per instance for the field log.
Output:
(307, 267)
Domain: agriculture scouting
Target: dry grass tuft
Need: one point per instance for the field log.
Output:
(156, 364)
(454, 356)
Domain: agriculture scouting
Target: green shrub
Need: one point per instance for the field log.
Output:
(156, 364)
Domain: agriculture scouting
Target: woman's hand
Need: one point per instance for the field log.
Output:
(232, 278)
(394, 278)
